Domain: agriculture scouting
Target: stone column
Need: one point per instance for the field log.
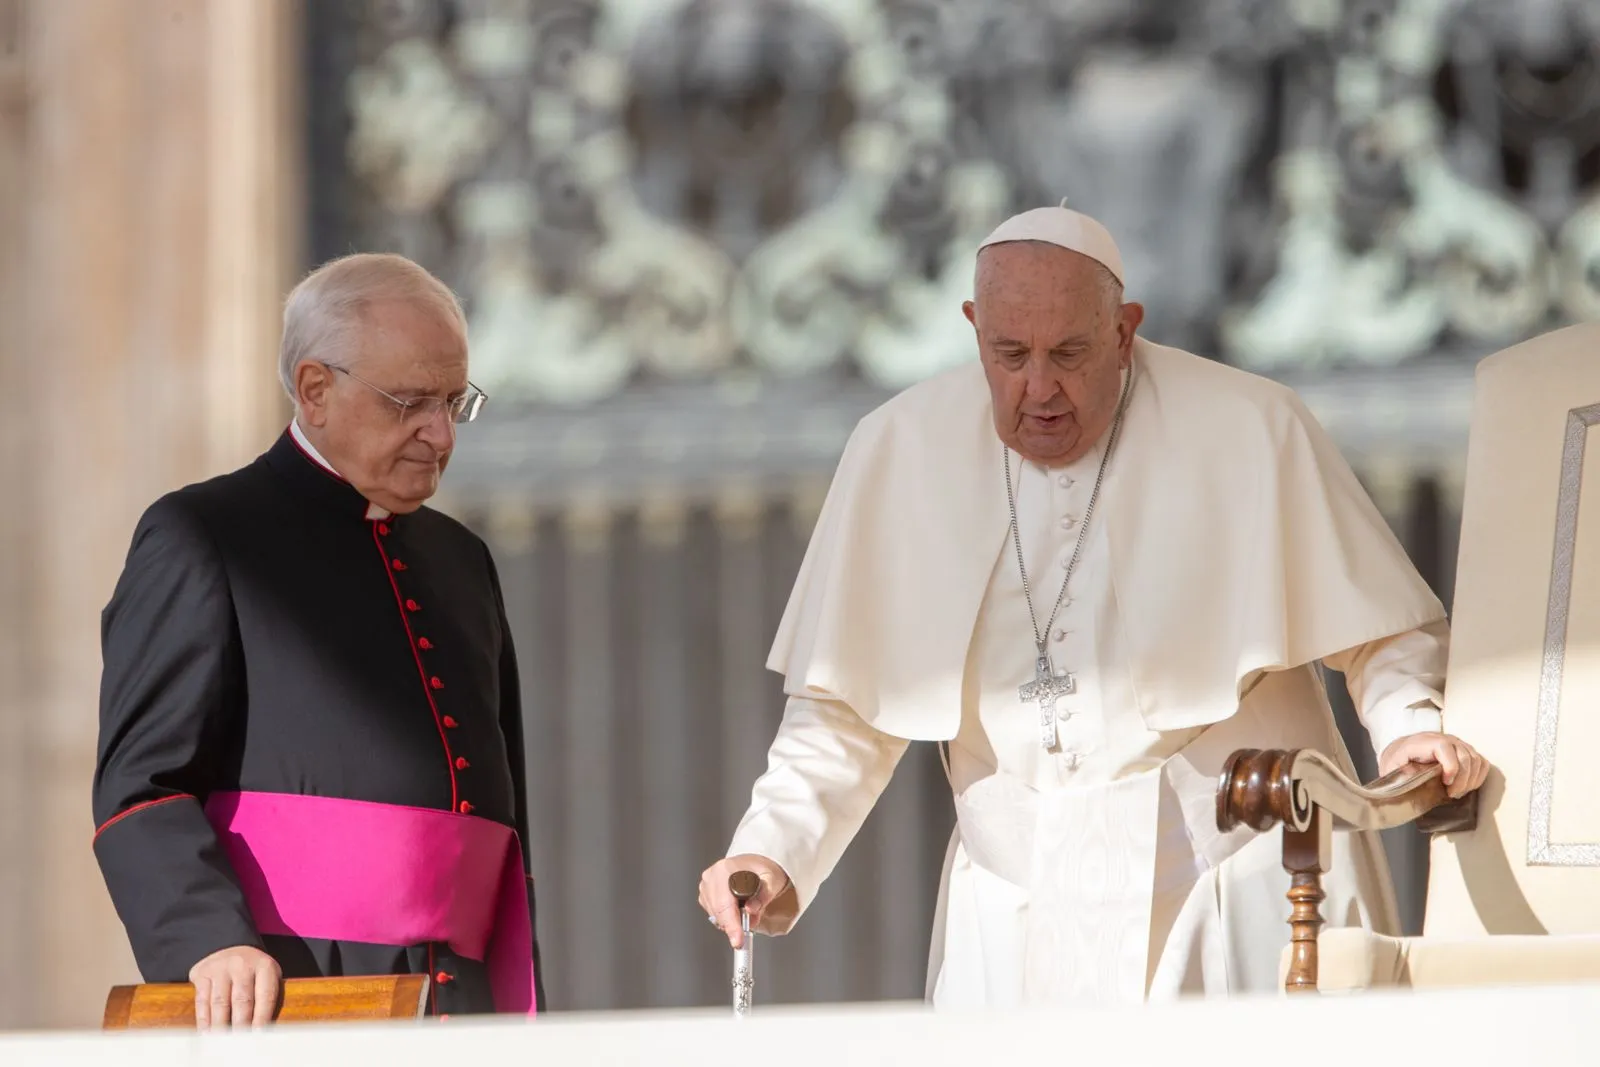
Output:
(16, 478)
(154, 147)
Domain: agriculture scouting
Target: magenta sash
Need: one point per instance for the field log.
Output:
(385, 874)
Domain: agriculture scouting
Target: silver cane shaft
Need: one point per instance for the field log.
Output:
(744, 885)
(744, 974)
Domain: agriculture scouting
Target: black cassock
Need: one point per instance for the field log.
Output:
(268, 635)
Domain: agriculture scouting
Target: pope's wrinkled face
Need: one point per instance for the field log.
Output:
(1054, 339)
(409, 352)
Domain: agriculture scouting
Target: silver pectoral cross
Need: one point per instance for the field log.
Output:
(1045, 689)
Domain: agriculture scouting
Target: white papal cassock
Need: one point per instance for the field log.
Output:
(1231, 550)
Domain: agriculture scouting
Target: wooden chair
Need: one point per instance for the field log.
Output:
(308, 1000)
(1514, 872)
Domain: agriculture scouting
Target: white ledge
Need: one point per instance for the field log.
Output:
(1489, 1027)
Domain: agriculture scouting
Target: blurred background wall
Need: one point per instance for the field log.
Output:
(697, 239)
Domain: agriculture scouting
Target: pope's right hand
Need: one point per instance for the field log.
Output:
(718, 902)
(237, 986)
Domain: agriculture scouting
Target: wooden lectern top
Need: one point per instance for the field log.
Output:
(304, 1000)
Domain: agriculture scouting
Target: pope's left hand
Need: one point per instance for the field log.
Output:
(1464, 769)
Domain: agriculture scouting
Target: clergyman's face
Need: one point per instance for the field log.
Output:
(407, 351)
(1053, 344)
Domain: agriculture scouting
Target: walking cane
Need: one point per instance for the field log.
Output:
(744, 885)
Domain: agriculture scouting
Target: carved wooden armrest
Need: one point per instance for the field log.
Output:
(1310, 796)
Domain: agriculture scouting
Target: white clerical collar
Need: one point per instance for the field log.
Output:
(374, 512)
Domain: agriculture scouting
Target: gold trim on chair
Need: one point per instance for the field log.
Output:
(1541, 851)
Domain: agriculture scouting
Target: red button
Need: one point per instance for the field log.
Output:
(449, 723)
(442, 978)
(466, 809)
(434, 681)
(399, 566)
(412, 605)
(424, 644)
(461, 763)
(383, 529)
(445, 1016)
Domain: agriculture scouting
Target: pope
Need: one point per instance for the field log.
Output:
(1089, 567)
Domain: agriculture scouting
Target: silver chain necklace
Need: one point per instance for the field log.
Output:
(1047, 686)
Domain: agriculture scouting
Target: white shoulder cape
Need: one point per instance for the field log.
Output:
(1240, 541)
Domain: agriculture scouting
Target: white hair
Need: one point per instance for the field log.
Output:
(323, 314)
(1110, 288)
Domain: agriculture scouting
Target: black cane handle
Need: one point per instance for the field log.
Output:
(744, 885)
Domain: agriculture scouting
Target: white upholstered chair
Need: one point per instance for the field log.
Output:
(1514, 892)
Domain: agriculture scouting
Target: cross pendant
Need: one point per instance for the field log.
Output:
(1047, 687)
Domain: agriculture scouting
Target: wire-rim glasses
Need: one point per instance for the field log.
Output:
(463, 407)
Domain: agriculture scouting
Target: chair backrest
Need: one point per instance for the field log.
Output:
(139, 1007)
(1524, 673)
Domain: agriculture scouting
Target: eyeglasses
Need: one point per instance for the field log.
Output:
(422, 409)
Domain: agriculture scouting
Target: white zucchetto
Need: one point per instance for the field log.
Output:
(1065, 228)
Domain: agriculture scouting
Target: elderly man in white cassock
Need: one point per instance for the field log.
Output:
(1090, 567)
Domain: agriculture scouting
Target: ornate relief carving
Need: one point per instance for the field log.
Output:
(645, 189)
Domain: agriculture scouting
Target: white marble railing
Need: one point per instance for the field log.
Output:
(1491, 1027)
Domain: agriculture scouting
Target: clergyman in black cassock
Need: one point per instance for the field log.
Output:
(275, 633)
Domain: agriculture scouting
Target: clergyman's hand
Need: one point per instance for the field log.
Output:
(235, 986)
(717, 901)
(1464, 769)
